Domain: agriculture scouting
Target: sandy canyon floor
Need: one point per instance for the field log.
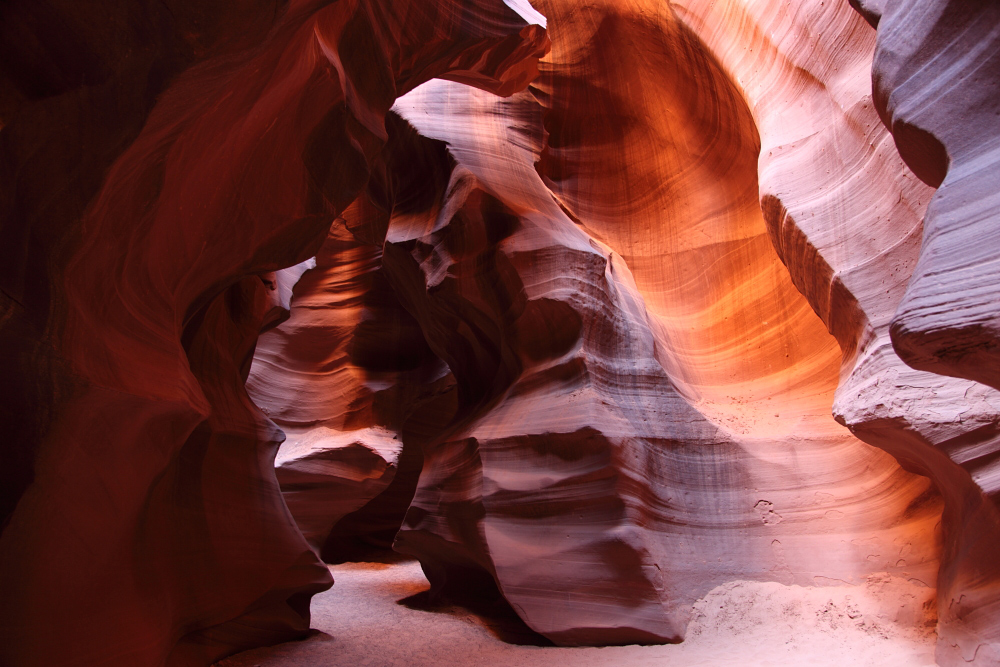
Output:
(377, 615)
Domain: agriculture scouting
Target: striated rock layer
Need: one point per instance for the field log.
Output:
(325, 476)
(845, 216)
(143, 521)
(681, 436)
(936, 81)
(936, 78)
(592, 346)
(344, 372)
(731, 336)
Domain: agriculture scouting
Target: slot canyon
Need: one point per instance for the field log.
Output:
(480, 332)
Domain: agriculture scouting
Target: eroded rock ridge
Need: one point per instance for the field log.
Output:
(595, 308)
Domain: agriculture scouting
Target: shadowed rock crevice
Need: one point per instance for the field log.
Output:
(657, 309)
(155, 172)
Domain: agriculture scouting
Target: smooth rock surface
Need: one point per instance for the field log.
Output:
(542, 413)
(847, 218)
(697, 326)
(160, 163)
(325, 475)
(593, 456)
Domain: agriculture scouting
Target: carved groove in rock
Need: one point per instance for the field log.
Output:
(577, 345)
(133, 308)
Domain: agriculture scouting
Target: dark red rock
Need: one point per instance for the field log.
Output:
(577, 347)
(220, 145)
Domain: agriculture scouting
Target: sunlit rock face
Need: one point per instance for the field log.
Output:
(653, 277)
(854, 226)
(684, 433)
(936, 78)
(160, 163)
(708, 301)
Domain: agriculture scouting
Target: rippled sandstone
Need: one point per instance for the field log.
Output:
(854, 226)
(592, 346)
(189, 151)
(686, 394)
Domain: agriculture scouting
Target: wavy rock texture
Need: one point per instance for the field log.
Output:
(936, 76)
(579, 346)
(325, 476)
(343, 372)
(601, 281)
(845, 216)
(132, 307)
(593, 456)
(936, 80)
(849, 238)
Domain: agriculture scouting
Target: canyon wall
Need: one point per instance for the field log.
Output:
(661, 297)
(707, 176)
(160, 161)
(855, 227)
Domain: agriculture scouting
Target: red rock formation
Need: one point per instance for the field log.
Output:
(351, 362)
(845, 215)
(854, 282)
(654, 472)
(327, 475)
(153, 487)
(587, 338)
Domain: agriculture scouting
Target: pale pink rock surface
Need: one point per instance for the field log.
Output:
(587, 338)
(847, 217)
(593, 456)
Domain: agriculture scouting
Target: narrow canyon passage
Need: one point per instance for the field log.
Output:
(497, 332)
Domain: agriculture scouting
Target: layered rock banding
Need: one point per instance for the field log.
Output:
(851, 242)
(936, 84)
(593, 345)
(704, 467)
(151, 529)
(327, 476)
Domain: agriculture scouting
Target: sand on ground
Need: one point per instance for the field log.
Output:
(361, 622)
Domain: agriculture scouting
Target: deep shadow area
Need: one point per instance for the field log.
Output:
(364, 534)
(496, 614)
(359, 550)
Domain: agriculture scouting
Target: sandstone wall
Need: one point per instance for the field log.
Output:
(704, 295)
(159, 160)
